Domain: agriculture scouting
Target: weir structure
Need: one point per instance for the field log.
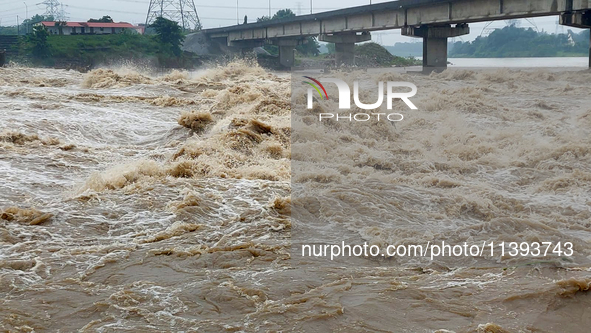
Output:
(432, 20)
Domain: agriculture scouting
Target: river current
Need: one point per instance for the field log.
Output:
(135, 202)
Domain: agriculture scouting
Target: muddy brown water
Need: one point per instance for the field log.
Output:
(143, 203)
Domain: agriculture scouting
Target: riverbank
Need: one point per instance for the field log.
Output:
(84, 52)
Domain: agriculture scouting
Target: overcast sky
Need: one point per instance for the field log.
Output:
(223, 12)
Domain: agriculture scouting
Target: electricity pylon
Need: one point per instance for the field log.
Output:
(182, 11)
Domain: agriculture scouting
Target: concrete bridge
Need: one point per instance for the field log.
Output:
(432, 20)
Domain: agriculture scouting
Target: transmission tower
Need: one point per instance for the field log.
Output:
(54, 9)
(63, 14)
(182, 11)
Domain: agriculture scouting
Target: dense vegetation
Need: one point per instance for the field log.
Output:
(512, 41)
(92, 48)
(38, 44)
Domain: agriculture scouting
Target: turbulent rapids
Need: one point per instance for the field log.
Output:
(149, 203)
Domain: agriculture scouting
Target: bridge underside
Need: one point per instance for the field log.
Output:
(435, 43)
(432, 20)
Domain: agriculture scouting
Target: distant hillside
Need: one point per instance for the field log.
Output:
(372, 55)
(407, 49)
(508, 42)
(375, 55)
(512, 41)
(399, 49)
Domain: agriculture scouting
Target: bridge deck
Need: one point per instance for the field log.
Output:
(395, 15)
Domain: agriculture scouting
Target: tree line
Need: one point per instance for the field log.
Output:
(512, 41)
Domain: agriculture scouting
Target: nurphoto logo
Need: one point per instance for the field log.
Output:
(344, 99)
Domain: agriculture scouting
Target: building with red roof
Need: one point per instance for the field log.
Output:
(85, 28)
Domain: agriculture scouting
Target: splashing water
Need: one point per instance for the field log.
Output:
(161, 203)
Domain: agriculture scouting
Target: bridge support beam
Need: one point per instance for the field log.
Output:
(345, 46)
(435, 43)
(578, 20)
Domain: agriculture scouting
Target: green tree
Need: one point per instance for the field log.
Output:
(170, 36)
(38, 42)
(38, 18)
(28, 23)
(283, 13)
(310, 47)
(104, 19)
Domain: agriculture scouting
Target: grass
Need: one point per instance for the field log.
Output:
(88, 50)
(122, 45)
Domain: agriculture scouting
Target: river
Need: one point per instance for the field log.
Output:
(140, 202)
(541, 62)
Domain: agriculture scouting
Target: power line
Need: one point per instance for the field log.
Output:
(231, 7)
(11, 1)
(13, 9)
(104, 10)
(15, 14)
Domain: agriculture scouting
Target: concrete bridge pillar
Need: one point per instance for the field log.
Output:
(345, 46)
(344, 54)
(435, 43)
(286, 51)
